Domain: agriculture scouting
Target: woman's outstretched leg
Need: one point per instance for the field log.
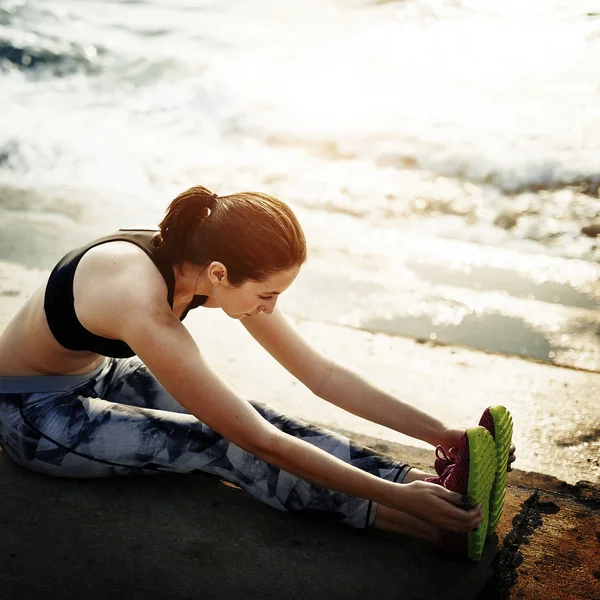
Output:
(134, 385)
(79, 434)
(138, 387)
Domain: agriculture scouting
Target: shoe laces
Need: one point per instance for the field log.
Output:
(440, 450)
(444, 463)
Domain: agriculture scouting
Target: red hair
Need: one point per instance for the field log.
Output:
(254, 235)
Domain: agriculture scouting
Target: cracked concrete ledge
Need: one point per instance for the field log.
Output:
(551, 551)
(548, 544)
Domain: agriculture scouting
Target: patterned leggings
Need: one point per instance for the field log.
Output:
(119, 420)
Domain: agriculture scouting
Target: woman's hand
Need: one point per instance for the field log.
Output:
(437, 506)
(450, 438)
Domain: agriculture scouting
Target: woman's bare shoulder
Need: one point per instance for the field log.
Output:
(113, 281)
(117, 262)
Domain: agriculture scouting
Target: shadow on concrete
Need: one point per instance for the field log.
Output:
(182, 537)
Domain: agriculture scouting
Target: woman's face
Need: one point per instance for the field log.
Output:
(254, 297)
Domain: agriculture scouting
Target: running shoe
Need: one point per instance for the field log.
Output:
(472, 475)
(497, 420)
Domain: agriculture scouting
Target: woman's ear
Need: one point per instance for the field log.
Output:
(217, 273)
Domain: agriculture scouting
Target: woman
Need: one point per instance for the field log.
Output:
(98, 376)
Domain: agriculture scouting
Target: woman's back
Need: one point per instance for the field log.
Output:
(47, 337)
(27, 346)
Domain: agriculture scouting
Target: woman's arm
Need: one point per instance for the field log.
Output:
(139, 315)
(346, 389)
(356, 395)
(171, 354)
(337, 384)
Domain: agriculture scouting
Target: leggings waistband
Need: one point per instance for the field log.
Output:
(31, 384)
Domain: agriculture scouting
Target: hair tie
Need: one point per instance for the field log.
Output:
(213, 199)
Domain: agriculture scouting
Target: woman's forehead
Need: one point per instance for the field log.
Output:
(278, 282)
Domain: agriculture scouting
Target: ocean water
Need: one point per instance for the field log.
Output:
(444, 157)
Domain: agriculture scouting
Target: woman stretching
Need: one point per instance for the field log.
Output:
(99, 377)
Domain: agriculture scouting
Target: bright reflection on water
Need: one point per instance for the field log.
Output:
(442, 157)
(422, 143)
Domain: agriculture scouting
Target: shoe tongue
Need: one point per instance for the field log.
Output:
(458, 479)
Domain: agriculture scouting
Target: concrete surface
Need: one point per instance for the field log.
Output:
(190, 537)
(550, 547)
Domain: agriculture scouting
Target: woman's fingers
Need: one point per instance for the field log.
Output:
(453, 497)
(511, 457)
(459, 511)
(461, 520)
(439, 507)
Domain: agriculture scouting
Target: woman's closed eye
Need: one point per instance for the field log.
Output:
(265, 298)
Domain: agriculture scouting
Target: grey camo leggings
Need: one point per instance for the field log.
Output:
(119, 420)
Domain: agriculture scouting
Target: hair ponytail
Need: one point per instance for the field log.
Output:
(185, 213)
(254, 235)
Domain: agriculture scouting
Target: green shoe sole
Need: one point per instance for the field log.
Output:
(503, 431)
(482, 472)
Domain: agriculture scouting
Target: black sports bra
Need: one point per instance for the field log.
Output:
(59, 304)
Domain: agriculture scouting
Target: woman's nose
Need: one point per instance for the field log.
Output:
(269, 306)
